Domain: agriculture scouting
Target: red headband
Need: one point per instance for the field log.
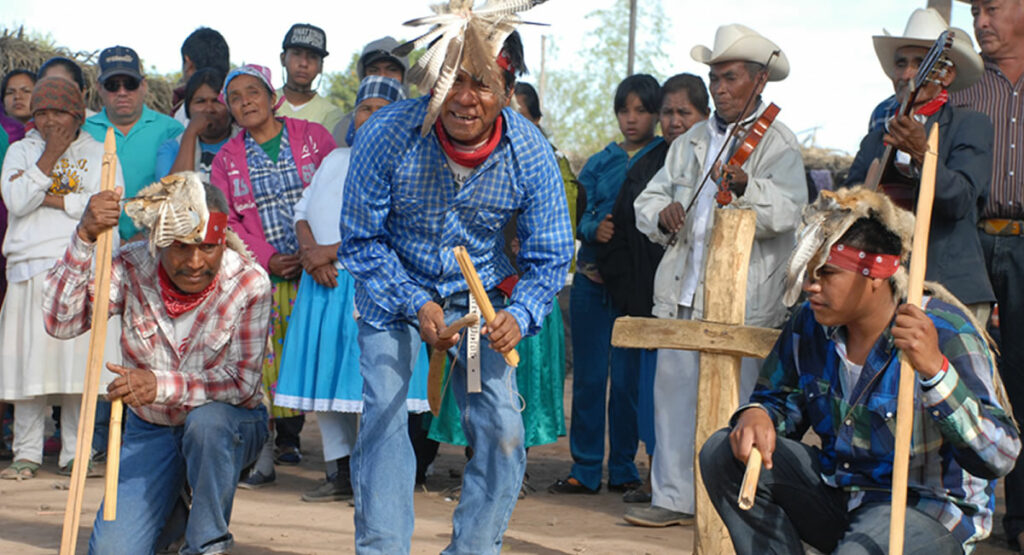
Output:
(215, 228)
(503, 61)
(872, 265)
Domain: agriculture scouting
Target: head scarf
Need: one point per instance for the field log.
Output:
(58, 93)
(374, 86)
(260, 72)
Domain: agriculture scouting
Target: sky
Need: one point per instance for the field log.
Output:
(835, 78)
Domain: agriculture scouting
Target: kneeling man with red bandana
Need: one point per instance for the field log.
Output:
(195, 309)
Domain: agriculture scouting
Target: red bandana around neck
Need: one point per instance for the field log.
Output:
(872, 265)
(473, 158)
(934, 104)
(176, 302)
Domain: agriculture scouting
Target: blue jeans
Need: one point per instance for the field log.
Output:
(383, 462)
(594, 360)
(793, 503)
(209, 450)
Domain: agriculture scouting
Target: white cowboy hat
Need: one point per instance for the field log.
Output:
(737, 42)
(923, 27)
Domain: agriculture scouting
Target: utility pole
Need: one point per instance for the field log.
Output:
(944, 7)
(542, 79)
(633, 37)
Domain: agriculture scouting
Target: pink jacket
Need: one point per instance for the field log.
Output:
(310, 143)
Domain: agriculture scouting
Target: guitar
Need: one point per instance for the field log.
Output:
(897, 186)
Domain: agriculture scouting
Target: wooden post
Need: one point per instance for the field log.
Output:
(905, 398)
(718, 390)
(97, 340)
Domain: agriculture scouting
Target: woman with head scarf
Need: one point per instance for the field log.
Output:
(262, 172)
(47, 180)
(320, 364)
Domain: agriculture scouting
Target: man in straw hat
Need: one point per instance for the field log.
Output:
(965, 153)
(444, 170)
(195, 309)
(836, 368)
(999, 94)
(677, 211)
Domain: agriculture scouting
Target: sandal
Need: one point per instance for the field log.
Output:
(571, 485)
(20, 470)
(68, 468)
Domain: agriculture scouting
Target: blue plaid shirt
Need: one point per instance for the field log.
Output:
(962, 439)
(881, 114)
(276, 187)
(403, 213)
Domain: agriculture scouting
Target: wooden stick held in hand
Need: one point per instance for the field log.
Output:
(748, 490)
(476, 288)
(97, 340)
(905, 399)
(435, 376)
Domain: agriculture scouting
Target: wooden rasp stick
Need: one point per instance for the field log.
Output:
(435, 377)
(97, 340)
(476, 288)
(905, 398)
(748, 490)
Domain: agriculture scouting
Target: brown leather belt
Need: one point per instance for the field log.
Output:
(1001, 226)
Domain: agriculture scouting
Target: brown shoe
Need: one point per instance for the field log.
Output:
(571, 485)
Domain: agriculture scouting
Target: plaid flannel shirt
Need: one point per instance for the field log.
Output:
(403, 212)
(220, 360)
(962, 438)
(881, 114)
(276, 187)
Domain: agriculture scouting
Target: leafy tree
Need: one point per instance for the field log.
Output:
(578, 101)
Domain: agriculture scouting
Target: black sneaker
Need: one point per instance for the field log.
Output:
(329, 490)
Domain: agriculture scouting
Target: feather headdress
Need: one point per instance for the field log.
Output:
(829, 217)
(174, 209)
(461, 37)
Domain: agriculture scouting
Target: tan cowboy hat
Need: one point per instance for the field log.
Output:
(923, 27)
(737, 42)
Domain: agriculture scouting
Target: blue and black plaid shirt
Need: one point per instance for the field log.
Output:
(403, 213)
(962, 438)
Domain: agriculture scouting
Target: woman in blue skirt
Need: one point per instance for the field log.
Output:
(320, 363)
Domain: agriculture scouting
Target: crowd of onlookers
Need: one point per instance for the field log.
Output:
(641, 211)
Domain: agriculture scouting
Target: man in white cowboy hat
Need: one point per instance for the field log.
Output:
(836, 368)
(965, 153)
(771, 182)
(999, 94)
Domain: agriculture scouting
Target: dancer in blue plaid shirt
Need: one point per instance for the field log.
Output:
(835, 368)
(409, 198)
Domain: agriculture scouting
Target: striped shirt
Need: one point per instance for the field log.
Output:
(403, 212)
(1003, 102)
(220, 359)
(962, 439)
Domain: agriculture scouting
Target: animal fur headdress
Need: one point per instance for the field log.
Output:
(174, 209)
(462, 38)
(829, 217)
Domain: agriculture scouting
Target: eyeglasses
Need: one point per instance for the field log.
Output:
(115, 84)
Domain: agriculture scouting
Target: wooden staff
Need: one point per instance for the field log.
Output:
(113, 460)
(748, 490)
(97, 340)
(476, 288)
(435, 377)
(905, 399)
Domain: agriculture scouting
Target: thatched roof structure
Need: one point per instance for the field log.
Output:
(18, 51)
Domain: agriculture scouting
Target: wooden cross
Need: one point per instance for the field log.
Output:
(722, 340)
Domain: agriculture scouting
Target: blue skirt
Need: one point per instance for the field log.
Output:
(320, 362)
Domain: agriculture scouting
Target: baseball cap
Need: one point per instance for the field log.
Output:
(304, 35)
(378, 50)
(119, 60)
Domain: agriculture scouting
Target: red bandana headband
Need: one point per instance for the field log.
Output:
(216, 225)
(872, 265)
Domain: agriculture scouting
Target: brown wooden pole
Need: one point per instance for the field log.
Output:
(476, 288)
(97, 340)
(748, 489)
(718, 387)
(905, 398)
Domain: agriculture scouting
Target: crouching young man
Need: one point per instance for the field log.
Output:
(835, 368)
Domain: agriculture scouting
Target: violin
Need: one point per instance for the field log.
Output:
(747, 146)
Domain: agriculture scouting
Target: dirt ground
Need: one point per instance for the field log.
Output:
(274, 520)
